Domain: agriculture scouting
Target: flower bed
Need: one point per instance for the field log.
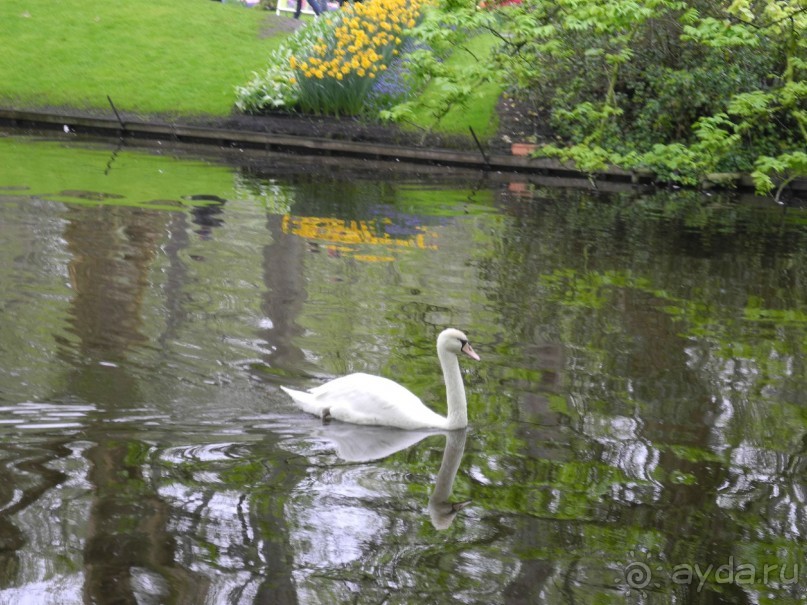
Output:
(331, 65)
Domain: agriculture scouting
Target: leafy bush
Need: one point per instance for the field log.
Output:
(681, 87)
(679, 91)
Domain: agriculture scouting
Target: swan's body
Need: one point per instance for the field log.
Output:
(366, 399)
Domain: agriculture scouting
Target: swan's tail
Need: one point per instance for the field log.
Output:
(306, 401)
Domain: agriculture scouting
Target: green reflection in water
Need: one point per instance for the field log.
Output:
(91, 175)
(640, 404)
(670, 374)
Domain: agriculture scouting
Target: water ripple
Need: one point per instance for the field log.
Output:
(207, 452)
(30, 415)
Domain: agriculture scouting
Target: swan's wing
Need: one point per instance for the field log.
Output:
(361, 394)
(367, 399)
(364, 392)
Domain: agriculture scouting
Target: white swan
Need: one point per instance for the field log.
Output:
(366, 399)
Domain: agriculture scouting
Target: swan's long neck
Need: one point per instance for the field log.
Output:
(455, 391)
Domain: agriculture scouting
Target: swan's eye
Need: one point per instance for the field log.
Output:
(463, 343)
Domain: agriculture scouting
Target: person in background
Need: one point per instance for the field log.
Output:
(316, 5)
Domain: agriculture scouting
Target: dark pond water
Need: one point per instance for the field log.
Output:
(638, 420)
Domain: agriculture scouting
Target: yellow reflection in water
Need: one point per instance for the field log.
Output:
(344, 235)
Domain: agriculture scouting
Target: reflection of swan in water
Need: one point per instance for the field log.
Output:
(441, 509)
(356, 443)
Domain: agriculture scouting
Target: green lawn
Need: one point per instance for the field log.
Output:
(480, 110)
(181, 57)
(176, 56)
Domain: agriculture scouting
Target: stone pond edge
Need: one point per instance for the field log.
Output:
(475, 158)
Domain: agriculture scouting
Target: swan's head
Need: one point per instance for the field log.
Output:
(456, 342)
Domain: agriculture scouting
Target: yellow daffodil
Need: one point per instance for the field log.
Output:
(362, 38)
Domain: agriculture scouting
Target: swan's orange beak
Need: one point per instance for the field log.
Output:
(469, 351)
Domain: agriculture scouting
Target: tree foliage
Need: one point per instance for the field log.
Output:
(684, 88)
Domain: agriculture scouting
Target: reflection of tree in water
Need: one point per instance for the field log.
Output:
(207, 215)
(128, 550)
(112, 251)
(144, 529)
(649, 307)
(284, 296)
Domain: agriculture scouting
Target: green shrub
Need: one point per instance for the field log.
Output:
(682, 87)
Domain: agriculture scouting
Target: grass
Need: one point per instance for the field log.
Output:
(479, 112)
(149, 56)
(181, 57)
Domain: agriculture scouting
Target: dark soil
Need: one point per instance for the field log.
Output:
(518, 122)
(347, 129)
